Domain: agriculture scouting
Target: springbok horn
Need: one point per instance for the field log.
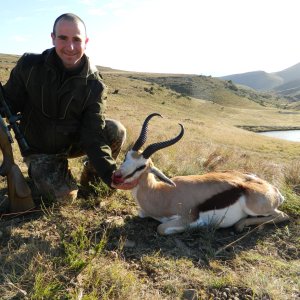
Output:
(160, 145)
(143, 135)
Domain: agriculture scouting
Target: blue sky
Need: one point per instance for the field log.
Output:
(209, 37)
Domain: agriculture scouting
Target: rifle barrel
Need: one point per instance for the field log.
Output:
(13, 123)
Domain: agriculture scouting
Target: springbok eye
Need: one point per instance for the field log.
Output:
(136, 170)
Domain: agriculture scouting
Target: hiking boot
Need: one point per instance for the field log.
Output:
(89, 175)
(52, 177)
(89, 181)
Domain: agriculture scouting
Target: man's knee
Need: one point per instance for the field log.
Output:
(115, 133)
(115, 129)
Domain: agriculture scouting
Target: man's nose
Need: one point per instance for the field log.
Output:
(70, 45)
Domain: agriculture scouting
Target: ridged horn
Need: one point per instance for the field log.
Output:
(143, 135)
(160, 145)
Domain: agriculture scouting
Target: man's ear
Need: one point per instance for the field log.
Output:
(86, 41)
(53, 38)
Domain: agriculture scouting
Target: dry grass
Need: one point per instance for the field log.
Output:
(97, 248)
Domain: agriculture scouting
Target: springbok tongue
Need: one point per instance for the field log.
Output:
(128, 185)
(117, 179)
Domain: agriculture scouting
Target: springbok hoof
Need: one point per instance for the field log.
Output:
(239, 227)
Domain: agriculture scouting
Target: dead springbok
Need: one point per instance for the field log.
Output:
(221, 198)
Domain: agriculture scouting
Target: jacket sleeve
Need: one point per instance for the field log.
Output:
(92, 134)
(15, 88)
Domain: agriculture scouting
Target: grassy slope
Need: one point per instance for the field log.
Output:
(205, 120)
(97, 248)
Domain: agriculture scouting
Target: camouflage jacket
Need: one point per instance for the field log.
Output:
(60, 111)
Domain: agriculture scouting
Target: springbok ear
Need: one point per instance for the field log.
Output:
(162, 176)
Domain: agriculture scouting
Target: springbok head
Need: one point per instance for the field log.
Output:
(137, 162)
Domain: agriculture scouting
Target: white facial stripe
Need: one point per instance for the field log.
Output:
(133, 165)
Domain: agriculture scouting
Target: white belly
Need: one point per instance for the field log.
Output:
(222, 218)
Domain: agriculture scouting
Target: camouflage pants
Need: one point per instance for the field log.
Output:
(51, 175)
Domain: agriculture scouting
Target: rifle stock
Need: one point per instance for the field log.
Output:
(6, 149)
(19, 193)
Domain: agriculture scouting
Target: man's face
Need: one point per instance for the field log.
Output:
(70, 42)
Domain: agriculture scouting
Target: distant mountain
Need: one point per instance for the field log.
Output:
(285, 83)
(258, 80)
(290, 74)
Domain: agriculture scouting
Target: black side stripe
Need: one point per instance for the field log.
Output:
(136, 170)
(222, 200)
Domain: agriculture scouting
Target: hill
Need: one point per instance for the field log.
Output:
(98, 248)
(285, 83)
(290, 74)
(222, 92)
(258, 80)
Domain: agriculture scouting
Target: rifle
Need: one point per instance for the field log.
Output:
(19, 193)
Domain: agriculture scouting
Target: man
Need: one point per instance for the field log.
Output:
(61, 97)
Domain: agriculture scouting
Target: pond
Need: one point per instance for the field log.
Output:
(290, 135)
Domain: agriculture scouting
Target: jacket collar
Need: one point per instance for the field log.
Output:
(88, 72)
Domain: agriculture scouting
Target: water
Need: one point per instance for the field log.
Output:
(290, 135)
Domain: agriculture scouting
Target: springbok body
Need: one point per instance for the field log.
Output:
(223, 199)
